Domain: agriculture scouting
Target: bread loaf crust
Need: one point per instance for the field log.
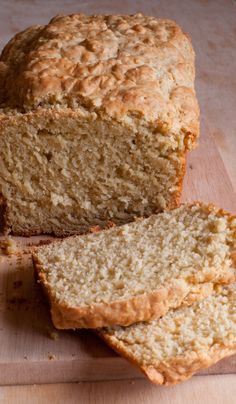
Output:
(113, 65)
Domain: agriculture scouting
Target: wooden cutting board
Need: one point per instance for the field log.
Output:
(32, 351)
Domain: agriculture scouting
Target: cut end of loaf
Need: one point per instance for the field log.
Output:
(81, 171)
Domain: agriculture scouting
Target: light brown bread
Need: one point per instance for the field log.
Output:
(183, 342)
(96, 116)
(140, 270)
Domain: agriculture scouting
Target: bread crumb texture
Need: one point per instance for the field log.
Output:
(96, 115)
(185, 340)
(181, 248)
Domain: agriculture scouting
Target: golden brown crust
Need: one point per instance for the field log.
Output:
(172, 371)
(179, 186)
(181, 369)
(127, 67)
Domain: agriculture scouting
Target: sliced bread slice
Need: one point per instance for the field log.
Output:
(138, 271)
(184, 341)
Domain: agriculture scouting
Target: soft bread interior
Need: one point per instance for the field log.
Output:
(192, 332)
(64, 172)
(187, 246)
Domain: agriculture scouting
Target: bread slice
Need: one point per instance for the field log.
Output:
(96, 116)
(184, 341)
(138, 271)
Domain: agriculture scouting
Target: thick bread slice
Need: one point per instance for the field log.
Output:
(184, 341)
(138, 271)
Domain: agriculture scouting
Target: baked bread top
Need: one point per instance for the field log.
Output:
(131, 68)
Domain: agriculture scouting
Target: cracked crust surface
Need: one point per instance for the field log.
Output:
(193, 357)
(127, 67)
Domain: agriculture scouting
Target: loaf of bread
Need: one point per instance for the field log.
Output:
(138, 271)
(96, 116)
(184, 341)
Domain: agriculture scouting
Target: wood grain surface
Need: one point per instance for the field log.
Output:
(199, 390)
(28, 352)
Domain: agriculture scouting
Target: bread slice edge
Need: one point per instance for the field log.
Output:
(176, 370)
(144, 307)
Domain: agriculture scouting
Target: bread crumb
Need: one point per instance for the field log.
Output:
(8, 247)
(51, 357)
(53, 335)
(95, 229)
(110, 224)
